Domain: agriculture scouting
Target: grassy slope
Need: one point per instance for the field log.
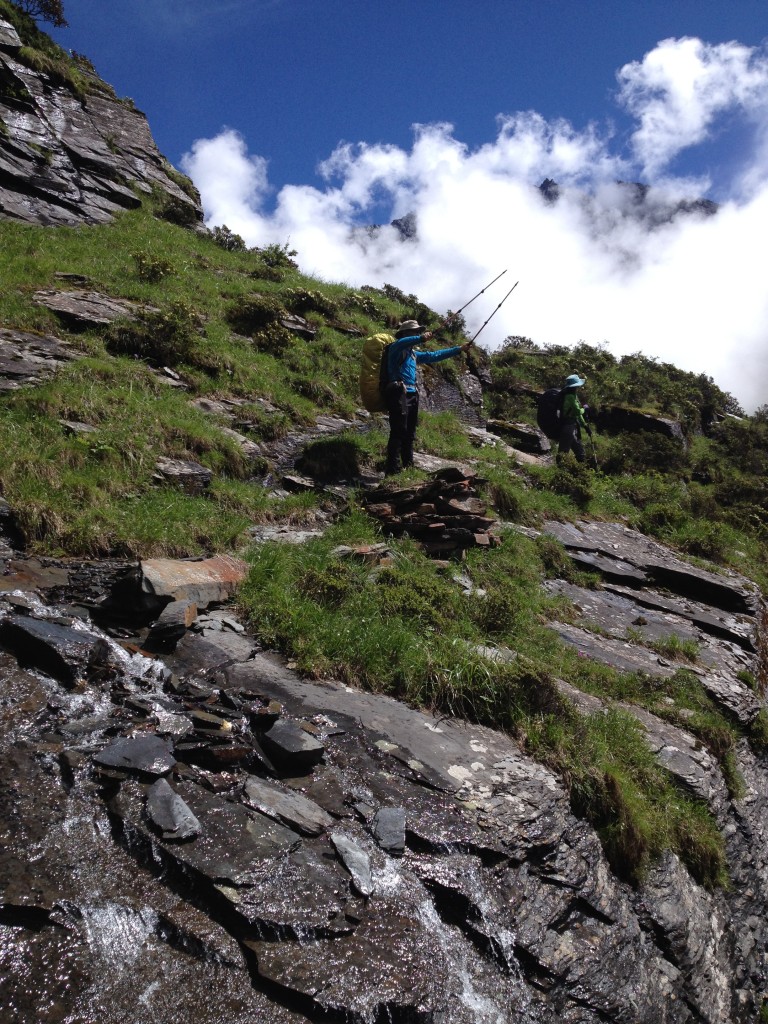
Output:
(407, 630)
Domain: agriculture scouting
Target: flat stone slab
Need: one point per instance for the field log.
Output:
(232, 842)
(522, 435)
(382, 966)
(355, 860)
(739, 629)
(27, 358)
(483, 768)
(202, 581)
(286, 806)
(196, 654)
(621, 617)
(190, 477)
(389, 830)
(617, 614)
(86, 308)
(65, 653)
(621, 655)
(726, 590)
(146, 754)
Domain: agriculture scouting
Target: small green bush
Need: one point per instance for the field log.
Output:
(497, 614)
(253, 313)
(279, 257)
(228, 240)
(573, 479)
(641, 451)
(151, 268)
(331, 459)
(330, 585)
(307, 300)
(166, 337)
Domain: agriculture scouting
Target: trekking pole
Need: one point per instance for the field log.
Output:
(478, 295)
(458, 312)
(493, 314)
(594, 453)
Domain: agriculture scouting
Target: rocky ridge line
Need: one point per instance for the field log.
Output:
(69, 159)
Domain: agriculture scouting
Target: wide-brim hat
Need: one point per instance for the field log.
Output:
(409, 327)
(574, 381)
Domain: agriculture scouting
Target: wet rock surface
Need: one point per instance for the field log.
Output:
(205, 820)
(213, 822)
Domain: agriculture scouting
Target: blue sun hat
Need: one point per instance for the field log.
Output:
(574, 381)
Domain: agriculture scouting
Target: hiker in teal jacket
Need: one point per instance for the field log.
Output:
(402, 394)
(572, 419)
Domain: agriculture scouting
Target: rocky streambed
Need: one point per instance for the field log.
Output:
(198, 833)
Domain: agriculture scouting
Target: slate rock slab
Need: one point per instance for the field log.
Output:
(389, 830)
(83, 309)
(290, 808)
(68, 160)
(202, 581)
(739, 629)
(190, 477)
(304, 894)
(171, 625)
(169, 814)
(725, 590)
(356, 861)
(522, 436)
(146, 754)
(65, 653)
(9, 37)
(27, 358)
(289, 746)
(231, 844)
(693, 922)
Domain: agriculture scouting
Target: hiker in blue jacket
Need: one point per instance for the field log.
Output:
(402, 394)
(572, 419)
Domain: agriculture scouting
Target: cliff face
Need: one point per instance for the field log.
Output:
(74, 156)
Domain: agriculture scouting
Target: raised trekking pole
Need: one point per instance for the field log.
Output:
(458, 312)
(493, 314)
(481, 292)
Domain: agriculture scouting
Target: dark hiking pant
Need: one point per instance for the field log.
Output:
(570, 440)
(403, 409)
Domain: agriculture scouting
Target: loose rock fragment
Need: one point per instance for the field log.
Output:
(170, 814)
(147, 754)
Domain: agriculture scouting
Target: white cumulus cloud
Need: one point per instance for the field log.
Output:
(605, 263)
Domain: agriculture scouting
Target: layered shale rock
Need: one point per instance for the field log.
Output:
(70, 151)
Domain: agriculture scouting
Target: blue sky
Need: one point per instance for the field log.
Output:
(296, 120)
(296, 77)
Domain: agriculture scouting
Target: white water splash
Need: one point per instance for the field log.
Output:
(117, 934)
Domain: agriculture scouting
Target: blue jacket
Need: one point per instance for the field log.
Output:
(402, 358)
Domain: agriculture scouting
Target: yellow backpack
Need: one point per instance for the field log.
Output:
(373, 372)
